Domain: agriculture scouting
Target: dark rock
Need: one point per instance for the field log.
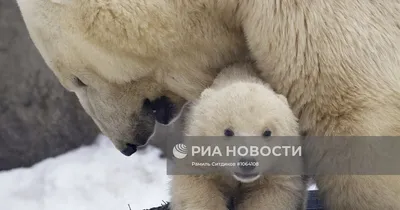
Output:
(38, 117)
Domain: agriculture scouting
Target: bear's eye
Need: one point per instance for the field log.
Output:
(79, 82)
(229, 132)
(267, 133)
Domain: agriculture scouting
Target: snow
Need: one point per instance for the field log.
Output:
(95, 177)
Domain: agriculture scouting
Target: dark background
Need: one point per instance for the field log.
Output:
(38, 117)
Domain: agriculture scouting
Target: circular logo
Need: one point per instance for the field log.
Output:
(180, 151)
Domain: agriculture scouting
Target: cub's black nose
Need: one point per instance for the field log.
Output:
(163, 109)
(247, 164)
(129, 150)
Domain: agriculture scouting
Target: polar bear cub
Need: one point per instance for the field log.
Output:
(239, 104)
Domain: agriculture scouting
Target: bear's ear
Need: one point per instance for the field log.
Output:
(283, 98)
(207, 92)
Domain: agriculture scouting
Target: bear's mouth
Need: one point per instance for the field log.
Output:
(164, 109)
(246, 178)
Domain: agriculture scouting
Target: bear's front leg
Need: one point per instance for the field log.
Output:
(274, 193)
(336, 159)
(190, 192)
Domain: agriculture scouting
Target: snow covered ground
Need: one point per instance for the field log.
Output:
(95, 177)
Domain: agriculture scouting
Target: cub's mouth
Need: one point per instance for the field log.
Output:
(246, 178)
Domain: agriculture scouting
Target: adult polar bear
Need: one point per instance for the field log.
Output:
(337, 62)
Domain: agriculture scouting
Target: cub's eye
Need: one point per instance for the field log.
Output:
(228, 132)
(267, 133)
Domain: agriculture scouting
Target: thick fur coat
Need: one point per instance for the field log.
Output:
(336, 61)
(221, 107)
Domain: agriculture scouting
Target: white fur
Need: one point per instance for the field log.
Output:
(222, 106)
(336, 61)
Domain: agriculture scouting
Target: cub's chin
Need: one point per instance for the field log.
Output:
(246, 178)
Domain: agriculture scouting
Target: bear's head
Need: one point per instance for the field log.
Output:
(127, 112)
(243, 110)
(98, 49)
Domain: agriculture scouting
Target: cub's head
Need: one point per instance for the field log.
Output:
(244, 110)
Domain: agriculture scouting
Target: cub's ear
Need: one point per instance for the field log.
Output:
(267, 85)
(207, 92)
(283, 98)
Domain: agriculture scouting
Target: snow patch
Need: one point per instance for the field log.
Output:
(94, 177)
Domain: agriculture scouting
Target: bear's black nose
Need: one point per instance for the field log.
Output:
(129, 150)
(247, 164)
